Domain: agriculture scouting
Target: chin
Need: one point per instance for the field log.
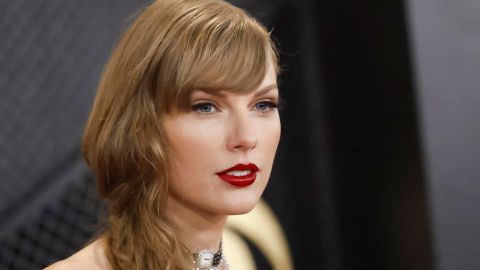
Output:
(240, 207)
(240, 211)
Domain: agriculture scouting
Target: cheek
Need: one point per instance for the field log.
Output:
(269, 135)
(192, 149)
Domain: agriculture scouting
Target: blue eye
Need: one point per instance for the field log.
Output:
(265, 106)
(204, 107)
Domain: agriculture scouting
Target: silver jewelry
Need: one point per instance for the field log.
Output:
(207, 260)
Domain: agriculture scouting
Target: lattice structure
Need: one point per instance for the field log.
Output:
(51, 54)
(56, 231)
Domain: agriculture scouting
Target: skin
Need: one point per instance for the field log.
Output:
(226, 129)
(91, 257)
(229, 128)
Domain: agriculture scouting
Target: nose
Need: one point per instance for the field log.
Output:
(242, 133)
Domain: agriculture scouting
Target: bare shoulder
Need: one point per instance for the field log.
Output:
(91, 257)
(70, 263)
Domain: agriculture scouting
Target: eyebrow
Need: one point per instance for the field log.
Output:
(260, 92)
(266, 89)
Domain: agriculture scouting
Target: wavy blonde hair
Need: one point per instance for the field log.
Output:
(170, 49)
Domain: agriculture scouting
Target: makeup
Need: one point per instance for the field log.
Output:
(240, 175)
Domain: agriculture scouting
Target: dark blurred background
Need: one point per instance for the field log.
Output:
(378, 163)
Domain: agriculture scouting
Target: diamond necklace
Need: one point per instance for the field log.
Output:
(207, 260)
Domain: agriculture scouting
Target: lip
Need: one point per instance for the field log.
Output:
(240, 181)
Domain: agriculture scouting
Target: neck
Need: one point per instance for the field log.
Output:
(198, 229)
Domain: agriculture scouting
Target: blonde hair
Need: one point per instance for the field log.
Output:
(171, 48)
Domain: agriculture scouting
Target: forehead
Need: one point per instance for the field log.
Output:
(268, 83)
(233, 79)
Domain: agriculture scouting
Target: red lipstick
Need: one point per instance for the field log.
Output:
(240, 175)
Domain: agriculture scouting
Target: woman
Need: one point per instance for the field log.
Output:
(182, 134)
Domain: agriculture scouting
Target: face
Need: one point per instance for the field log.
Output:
(221, 131)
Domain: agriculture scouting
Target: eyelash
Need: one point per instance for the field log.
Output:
(198, 106)
(271, 106)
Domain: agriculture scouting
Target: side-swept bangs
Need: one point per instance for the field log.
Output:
(212, 48)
